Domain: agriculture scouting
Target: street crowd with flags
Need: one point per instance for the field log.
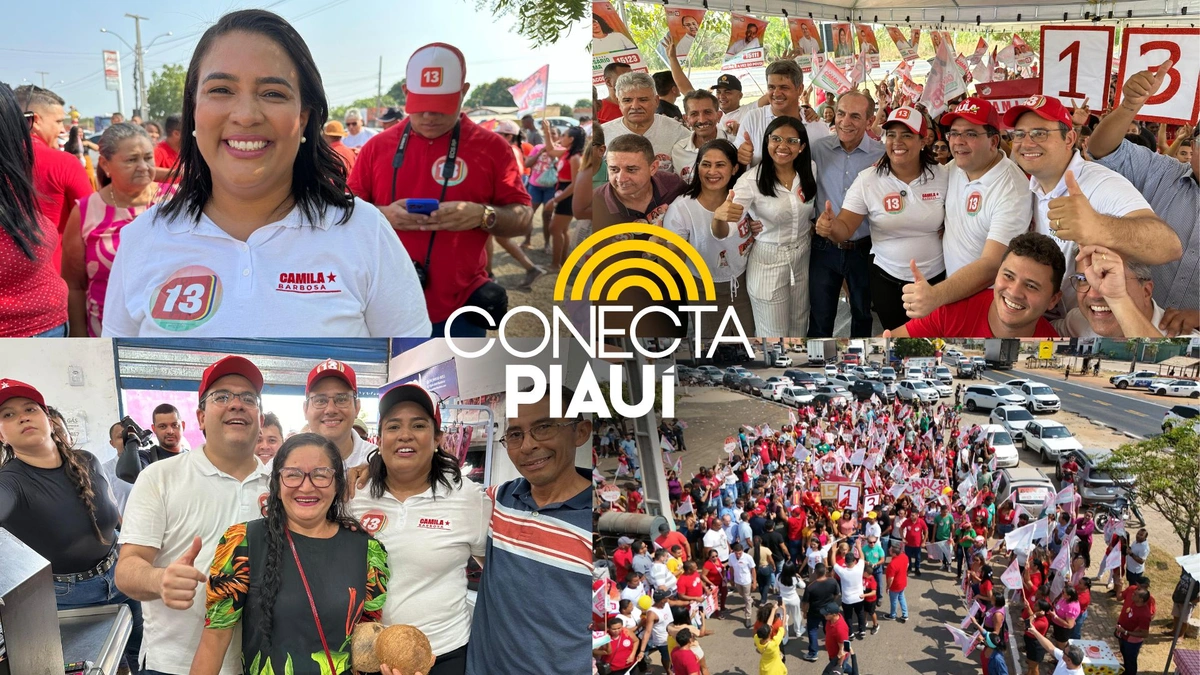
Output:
(827, 518)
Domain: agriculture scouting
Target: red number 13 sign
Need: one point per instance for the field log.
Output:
(1178, 101)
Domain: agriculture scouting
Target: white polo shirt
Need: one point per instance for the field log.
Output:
(663, 134)
(182, 278)
(743, 569)
(905, 219)
(683, 153)
(1108, 192)
(995, 207)
(429, 541)
(787, 219)
(725, 258)
(358, 454)
(173, 501)
(756, 122)
(737, 115)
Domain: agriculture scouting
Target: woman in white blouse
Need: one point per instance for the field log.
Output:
(904, 196)
(712, 223)
(781, 194)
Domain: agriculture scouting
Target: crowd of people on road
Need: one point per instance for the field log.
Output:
(249, 212)
(819, 528)
(1047, 220)
(222, 541)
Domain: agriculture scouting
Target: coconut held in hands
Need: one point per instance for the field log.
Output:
(362, 647)
(405, 649)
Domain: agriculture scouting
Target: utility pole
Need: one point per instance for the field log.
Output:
(43, 73)
(379, 87)
(140, 63)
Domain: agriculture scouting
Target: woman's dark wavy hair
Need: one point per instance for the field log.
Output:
(928, 160)
(578, 141)
(802, 164)
(695, 187)
(277, 521)
(318, 174)
(18, 210)
(443, 468)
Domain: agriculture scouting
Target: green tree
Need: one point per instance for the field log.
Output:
(560, 109)
(492, 94)
(397, 93)
(164, 96)
(339, 112)
(583, 103)
(905, 347)
(1163, 477)
(542, 22)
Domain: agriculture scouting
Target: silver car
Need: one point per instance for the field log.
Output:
(1013, 418)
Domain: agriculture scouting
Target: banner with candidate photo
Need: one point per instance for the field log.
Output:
(745, 43)
(682, 26)
(806, 40)
(611, 42)
(908, 50)
(867, 44)
(530, 93)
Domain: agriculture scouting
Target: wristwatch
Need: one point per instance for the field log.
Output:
(489, 218)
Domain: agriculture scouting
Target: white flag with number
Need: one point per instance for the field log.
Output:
(1066, 495)
(1012, 577)
(1112, 561)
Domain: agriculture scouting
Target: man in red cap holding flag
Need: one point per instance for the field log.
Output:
(439, 155)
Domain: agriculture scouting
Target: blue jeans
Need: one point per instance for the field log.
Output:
(1129, 655)
(898, 597)
(1077, 631)
(462, 328)
(102, 590)
(540, 195)
(813, 628)
(914, 558)
(828, 266)
(57, 331)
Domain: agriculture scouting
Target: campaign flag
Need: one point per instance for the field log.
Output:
(622, 470)
(1063, 560)
(530, 93)
(685, 507)
(1008, 57)
(731, 444)
(806, 40)
(677, 467)
(1112, 561)
(1022, 51)
(598, 477)
(914, 37)
(1049, 501)
(975, 607)
(1040, 530)
(615, 45)
(682, 26)
(897, 490)
(1012, 577)
(1021, 539)
(858, 74)
(982, 72)
(858, 457)
(980, 51)
(745, 43)
(961, 639)
(664, 444)
(908, 50)
(792, 418)
(867, 44)
(1057, 584)
(1066, 495)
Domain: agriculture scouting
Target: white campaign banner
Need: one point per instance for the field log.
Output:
(1072, 70)
(1178, 100)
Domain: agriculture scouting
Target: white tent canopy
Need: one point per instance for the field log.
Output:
(961, 14)
(1190, 564)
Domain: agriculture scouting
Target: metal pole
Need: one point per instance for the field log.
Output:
(379, 87)
(139, 55)
(43, 73)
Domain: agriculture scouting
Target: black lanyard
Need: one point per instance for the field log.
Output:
(447, 173)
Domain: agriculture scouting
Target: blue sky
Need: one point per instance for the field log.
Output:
(346, 39)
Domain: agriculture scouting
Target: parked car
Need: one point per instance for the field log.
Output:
(1013, 418)
(951, 357)
(966, 369)
(942, 388)
(783, 361)
(774, 390)
(685, 374)
(1180, 414)
(1016, 384)
(1092, 483)
(1039, 397)
(943, 374)
(887, 374)
(864, 389)
(796, 396)
(832, 394)
(753, 385)
(1000, 440)
(779, 378)
(843, 379)
(803, 378)
(1141, 378)
(980, 363)
(1026, 486)
(734, 375)
(1188, 388)
(990, 396)
(916, 390)
(913, 373)
(866, 372)
(1049, 439)
(831, 370)
(713, 373)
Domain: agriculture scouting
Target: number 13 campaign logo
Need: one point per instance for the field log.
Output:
(187, 299)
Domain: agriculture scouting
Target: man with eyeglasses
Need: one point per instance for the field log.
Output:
(180, 507)
(58, 177)
(357, 134)
(1081, 203)
(1115, 298)
(529, 615)
(987, 204)
(331, 405)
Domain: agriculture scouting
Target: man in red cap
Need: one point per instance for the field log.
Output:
(331, 405)
(179, 508)
(438, 154)
(1081, 203)
(987, 204)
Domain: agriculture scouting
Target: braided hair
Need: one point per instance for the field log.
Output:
(277, 520)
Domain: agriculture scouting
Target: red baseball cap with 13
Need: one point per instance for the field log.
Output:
(16, 389)
(332, 368)
(1046, 107)
(231, 365)
(435, 77)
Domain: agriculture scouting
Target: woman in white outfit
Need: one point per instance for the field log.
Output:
(904, 196)
(707, 218)
(791, 588)
(781, 194)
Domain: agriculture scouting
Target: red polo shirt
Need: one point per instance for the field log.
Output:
(60, 181)
(671, 539)
(836, 632)
(691, 585)
(486, 173)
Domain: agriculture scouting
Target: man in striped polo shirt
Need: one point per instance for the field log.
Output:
(533, 611)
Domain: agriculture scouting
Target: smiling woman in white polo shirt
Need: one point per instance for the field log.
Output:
(429, 519)
(261, 238)
(904, 196)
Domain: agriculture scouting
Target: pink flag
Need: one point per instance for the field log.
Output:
(1012, 577)
(1063, 559)
(1112, 561)
(792, 418)
(961, 639)
(665, 445)
(980, 50)
(1066, 495)
(530, 93)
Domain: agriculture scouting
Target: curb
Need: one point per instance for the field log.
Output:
(1127, 434)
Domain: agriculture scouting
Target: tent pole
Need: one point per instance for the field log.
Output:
(1183, 614)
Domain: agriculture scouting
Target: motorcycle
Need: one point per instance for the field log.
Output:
(1120, 509)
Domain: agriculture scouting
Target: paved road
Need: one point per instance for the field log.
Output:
(1126, 413)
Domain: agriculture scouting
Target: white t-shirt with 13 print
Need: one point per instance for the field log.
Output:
(995, 207)
(905, 219)
(185, 278)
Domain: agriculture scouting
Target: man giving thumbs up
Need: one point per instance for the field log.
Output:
(180, 507)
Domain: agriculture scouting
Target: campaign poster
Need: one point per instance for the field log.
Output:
(611, 42)
(745, 43)
(1022, 51)
(914, 37)
(682, 26)
(530, 93)
(908, 50)
(1178, 99)
(980, 51)
(806, 40)
(1006, 94)
(843, 45)
(867, 44)
(832, 79)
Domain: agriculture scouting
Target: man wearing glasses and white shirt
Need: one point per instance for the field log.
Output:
(180, 507)
(331, 405)
(357, 135)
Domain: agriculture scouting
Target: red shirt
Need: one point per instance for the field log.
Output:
(1041, 622)
(690, 585)
(684, 662)
(60, 181)
(714, 571)
(621, 650)
(608, 112)
(914, 531)
(1135, 618)
(836, 632)
(671, 539)
(1085, 598)
(164, 155)
(347, 155)
(870, 589)
(486, 173)
(985, 589)
(795, 526)
(622, 560)
(897, 573)
(33, 297)
(967, 318)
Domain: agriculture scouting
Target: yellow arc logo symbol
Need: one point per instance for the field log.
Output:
(646, 270)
